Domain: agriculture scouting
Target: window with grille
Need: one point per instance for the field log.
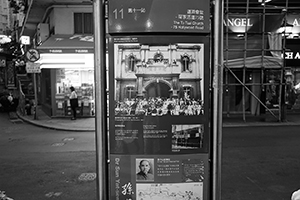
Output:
(83, 23)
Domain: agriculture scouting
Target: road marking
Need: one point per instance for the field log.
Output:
(51, 194)
(58, 144)
(68, 139)
(87, 177)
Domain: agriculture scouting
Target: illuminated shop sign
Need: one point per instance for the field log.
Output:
(295, 21)
(238, 22)
(66, 50)
(292, 55)
(252, 23)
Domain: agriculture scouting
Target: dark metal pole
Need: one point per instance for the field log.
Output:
(100, 99)
(217, 97)
(35, 96)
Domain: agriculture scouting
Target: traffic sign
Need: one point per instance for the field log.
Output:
(33, 67)
(32, 55)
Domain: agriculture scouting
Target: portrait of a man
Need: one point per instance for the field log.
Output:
(145, 172)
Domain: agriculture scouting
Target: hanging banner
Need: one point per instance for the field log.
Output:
(159, 117)
(159, 16)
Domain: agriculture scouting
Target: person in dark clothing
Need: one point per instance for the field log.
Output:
(73, 102)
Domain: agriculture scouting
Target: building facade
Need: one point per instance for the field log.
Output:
(64, 40)
(65, 43)
(7, 73)
(258, 79)
(261, 76)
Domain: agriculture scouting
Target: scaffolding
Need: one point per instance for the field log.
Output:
(254, 68)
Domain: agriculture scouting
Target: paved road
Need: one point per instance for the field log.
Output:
(37, 163)
(260, 163)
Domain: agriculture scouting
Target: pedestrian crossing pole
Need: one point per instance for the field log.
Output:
(217, 96)
(100, 100)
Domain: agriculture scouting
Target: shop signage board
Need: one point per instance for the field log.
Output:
(66, 50)
(292, 53)
(159, 113)
(251, 23)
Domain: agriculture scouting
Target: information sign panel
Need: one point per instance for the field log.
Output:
(159, 16)
(159, 117)
(33, 67)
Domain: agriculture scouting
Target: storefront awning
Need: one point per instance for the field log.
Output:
(68, 44)
(268, 62)
(70, 61)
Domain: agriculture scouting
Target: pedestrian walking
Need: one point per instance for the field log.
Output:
(73, 102)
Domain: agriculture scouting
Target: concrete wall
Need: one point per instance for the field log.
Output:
(64, 17)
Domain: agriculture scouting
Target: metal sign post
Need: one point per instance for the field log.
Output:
(100, 99)
(217, 97)
(33, 55)
(35, 96)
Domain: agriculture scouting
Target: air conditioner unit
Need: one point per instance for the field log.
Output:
(42, 32)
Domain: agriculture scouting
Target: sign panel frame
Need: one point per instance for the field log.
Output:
(159, 111)
(140, 16)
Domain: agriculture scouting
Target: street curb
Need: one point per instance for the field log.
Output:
(262, 124)
(53, 127)
(224, 125)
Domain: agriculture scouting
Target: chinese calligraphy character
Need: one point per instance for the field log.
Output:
(127, 189)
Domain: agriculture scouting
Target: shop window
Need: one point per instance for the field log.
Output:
(83, 23)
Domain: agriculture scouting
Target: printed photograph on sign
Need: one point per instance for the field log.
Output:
(144, 170)
(158, 80)
(187, 136)
(159, 84)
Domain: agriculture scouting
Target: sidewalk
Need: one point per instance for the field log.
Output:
(63, 124)
(88, 124)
